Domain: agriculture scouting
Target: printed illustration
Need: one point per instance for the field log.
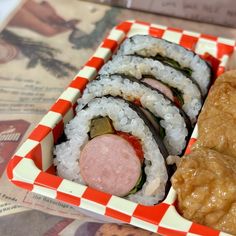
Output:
(81, 39)
(43, 19)
(11, 133)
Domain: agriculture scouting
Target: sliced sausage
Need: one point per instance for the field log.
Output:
(159, 86)
(110, 164)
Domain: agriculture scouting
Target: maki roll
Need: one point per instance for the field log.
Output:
(112, 147)
(174, 55)
(139, 110)
(179, 88)
(169, 121)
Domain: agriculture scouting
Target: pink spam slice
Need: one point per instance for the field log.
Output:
(159, 86)
(109, 163)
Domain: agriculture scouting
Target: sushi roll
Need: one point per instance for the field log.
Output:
(170, 121)
(112, 147)
(179, 88)
(171, 54)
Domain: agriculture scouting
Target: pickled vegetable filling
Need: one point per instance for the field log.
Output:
(178, 97)
(140, 183)
(170, 62)
(101, 125)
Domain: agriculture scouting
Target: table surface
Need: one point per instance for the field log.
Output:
(31, 221)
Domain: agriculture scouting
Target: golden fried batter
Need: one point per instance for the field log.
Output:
(217, 121)
(205, 182)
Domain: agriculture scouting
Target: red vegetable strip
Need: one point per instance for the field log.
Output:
(135, 142)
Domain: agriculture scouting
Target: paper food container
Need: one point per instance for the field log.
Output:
(32, 168)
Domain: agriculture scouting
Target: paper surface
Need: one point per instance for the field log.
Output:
(214, 11)
(35, 68)
(37, 62)
(11, 134)
(8, 208)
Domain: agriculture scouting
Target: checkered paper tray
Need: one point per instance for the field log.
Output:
(32, 167)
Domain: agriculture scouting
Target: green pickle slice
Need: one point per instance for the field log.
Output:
(100, 126)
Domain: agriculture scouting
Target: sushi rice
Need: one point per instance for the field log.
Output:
(124, 119)
(148, 46)
(172, 121)
(139, 67)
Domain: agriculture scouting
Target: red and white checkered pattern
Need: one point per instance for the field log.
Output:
(31, 166)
